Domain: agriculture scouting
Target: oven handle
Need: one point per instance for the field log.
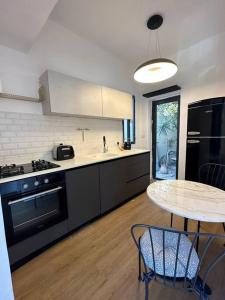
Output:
(35, 195)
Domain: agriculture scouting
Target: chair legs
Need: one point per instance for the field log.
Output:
(145, 278)
(146, 290)
(139, 261)
(171, 220)
(198, 230)
(203, 292)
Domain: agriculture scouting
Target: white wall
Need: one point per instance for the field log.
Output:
(26, 137)
(59, 49)
(6, 290)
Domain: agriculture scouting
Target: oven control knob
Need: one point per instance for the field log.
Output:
(36, 183)
(25, 186)
(46, 180)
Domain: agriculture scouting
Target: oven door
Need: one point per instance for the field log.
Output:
(33, 213)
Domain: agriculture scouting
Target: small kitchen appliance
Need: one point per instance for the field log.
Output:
(127, 145)
(63, 152)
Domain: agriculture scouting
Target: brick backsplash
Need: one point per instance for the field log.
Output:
(24, 137)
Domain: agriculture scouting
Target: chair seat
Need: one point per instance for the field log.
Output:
(170, 246)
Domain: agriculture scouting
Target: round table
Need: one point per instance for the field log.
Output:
(188, 199)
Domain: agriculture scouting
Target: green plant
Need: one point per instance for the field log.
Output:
(167, 114)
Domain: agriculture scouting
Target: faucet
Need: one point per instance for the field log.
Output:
(105, 148)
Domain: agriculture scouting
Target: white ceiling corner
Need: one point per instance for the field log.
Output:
(21, 21)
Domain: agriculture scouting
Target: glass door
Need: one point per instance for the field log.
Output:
(165, 138)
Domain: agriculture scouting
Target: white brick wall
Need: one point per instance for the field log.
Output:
(24, 137)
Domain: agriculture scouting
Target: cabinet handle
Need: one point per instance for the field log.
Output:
(193, 141)
(194, 132)
(28, 198)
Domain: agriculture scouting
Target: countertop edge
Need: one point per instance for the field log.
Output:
(72, 164)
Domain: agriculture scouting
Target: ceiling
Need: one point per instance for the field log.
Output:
(21, 21)
(119, 26)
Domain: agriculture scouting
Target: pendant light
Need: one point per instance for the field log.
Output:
(158, 69)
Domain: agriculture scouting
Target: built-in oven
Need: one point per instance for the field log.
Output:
(32, 205)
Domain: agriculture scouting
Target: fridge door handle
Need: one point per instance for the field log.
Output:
(193, 141)
(194, 132)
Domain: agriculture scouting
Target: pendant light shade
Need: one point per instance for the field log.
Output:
(155, 70)
(158, 69)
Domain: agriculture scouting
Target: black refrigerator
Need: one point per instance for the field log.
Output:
(205, 135)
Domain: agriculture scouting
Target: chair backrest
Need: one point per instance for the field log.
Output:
(212, 174)
(186, 267)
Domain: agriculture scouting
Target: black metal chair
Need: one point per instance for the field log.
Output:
(169, 257)
(214, 175)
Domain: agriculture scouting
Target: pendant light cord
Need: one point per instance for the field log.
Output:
(148, 47)
(157, 44)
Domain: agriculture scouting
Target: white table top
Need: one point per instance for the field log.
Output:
(189, 199)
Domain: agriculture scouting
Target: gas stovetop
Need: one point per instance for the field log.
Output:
(33, 166)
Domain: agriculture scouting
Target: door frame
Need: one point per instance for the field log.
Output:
(154, 121)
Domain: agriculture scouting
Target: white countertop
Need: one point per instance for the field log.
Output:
(79, 161)
(192, 200)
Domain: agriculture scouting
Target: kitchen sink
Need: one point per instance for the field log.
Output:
(104, 155)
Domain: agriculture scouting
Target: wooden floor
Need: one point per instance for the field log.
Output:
(99, 262)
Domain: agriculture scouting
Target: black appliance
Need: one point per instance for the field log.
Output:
(34, 166)
(63, 152)
(32, 205)
(205, 135)
(127, 145)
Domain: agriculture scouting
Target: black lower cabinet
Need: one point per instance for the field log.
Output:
(83, 198)
(96, 189)
(91, 191)
(123, 178)
(112, 184)
(137, 174)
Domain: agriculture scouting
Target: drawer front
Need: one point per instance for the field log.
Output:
(137, 166)
(137, 186)
(36, 242)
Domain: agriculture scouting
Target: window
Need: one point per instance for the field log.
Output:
(129, 127)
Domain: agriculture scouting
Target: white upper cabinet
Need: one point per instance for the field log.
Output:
(116, 104)
(67, 95)
(62, 94)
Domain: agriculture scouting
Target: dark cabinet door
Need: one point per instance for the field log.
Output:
(82, 195)
(112, 183)
(122, 179)
(202, 151)
(207, 120)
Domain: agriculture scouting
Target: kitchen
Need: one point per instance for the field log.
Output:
(77, 50)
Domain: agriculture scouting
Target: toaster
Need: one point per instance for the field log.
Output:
(63, 152)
